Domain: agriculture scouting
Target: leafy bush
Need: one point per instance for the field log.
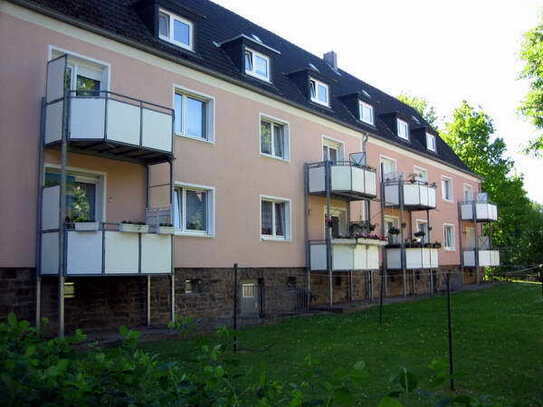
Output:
(56, 372)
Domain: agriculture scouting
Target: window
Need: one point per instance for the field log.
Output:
(193, 210)
(257, 65)
(430, 142)
(274, 139)
(274, 218)
(69, 289)
(388, 166)
(468, 192)
(392, 222)
(248, 290)
(175, 29)
(338, 218)
(403, 129)
(193, 286)
(446, 189)
(291, 282)
(193, 115)
(83, 192)
(332, 150)
(422, 226)
(421, 174)
(366, 113)
(319, 92)
(448, 237)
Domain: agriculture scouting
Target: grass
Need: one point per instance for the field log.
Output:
(498, 343)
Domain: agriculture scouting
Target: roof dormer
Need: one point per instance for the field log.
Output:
(361, 106)
(399, 124)
(313, 85)
(427, 137)
(251, 56)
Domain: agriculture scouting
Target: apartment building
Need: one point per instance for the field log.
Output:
(148, 146)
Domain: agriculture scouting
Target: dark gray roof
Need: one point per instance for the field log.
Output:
(213, 25)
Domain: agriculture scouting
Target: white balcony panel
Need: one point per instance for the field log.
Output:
(157, 130)
(55, 79)
(487, 258)
(53, 122)
(485, 211)
(123, 122)
(50, 205)
(84, 255)
(346, 255)
(316, 180)
(364, 181)
(415, 258)
(413, 195)
(156, 254)
(87, 118)
(121, 251)
(49, 253)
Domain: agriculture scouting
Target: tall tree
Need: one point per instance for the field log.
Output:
(531, 106)
(470, 134)
(422, 106)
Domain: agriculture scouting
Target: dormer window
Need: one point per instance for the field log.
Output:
(319, 92)
(403, 129)
(257, 65)
(431, 142)
(366, 112)
(175, 29)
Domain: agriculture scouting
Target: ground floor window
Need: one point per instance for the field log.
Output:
(275, 218)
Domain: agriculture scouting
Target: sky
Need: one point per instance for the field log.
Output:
(444, 51)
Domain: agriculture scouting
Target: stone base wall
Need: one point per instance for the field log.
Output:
(207, 295)
(17, 292)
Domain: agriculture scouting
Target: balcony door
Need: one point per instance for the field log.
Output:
(338, 218)
(390, 223)
(388, 166)
(332, 150)
(470, 238)
(86, 77)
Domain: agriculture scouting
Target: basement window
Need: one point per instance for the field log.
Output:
(175, 29)
(69, 289)
(193, 286)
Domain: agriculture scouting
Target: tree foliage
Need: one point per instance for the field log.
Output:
(422, 106)
(470, 135)
(531, 106)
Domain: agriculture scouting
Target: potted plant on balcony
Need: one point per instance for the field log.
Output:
(133, 227)
(393, 231)
(81, 211)
(166, 229)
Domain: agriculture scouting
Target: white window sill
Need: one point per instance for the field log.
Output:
(254, 75)
(274, 157)
(176, 43)
(449, 249)
(179, 232)
(202, 140)
(274, 239)
(321, 103)
(448, 200)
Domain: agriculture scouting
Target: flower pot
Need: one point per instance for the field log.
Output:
(86, 226)
(133, 228)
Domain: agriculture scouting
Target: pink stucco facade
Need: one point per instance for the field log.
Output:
(232, 165)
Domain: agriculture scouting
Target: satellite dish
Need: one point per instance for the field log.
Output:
(358, 159)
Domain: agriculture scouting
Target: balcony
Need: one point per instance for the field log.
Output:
(417, 195)
(105, 123)
(347, 180)
(478, 211)
(415, 258)
(101, 248)
(487, 258)
(347, 254)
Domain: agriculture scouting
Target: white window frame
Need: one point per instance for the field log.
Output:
(101, 186)
(402, 124)
(170, 37)
(316, 97)
(453, 238)
(210, 113)
(433, 145)
(288, 219)
(425, 222)
(76, 60)
(210, 210)
(417, 168)
(335, 211)
(335, 144)
(253, 72)
(396, 221)
(383, 158)
(286, 134)
(468, 187)
(361, 106)
(443, 196)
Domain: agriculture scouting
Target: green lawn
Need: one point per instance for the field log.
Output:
(498, 343)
